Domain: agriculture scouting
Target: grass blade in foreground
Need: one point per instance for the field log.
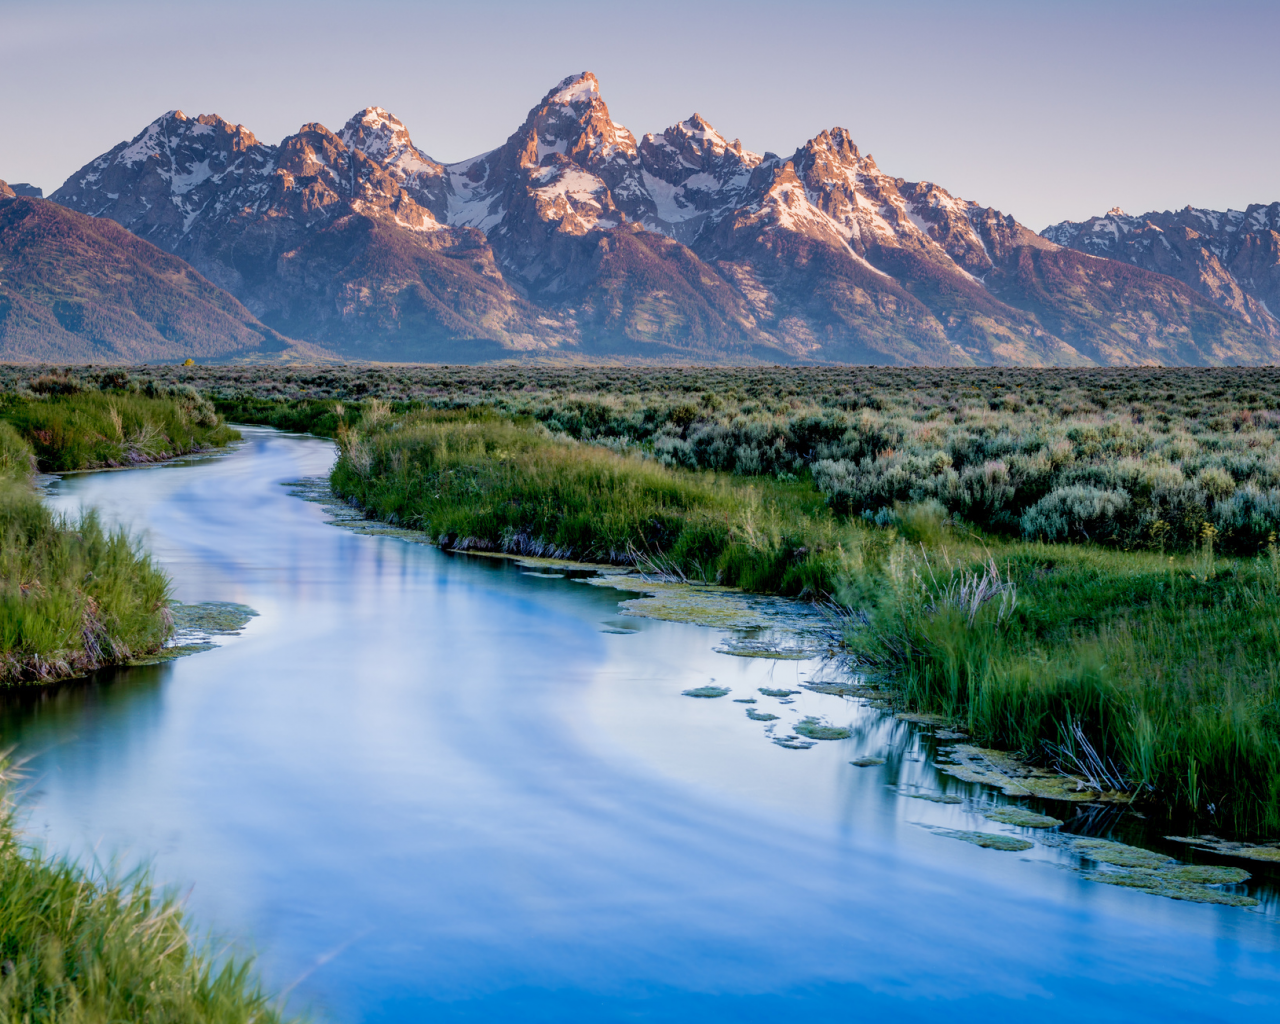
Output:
(81, 949)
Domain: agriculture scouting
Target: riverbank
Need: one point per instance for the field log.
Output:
(1152, 674)
(74, 596)
(75, 423)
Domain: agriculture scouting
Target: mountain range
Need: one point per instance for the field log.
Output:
(576, 237)
(1232, 256)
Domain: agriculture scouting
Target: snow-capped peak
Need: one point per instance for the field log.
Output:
(383, 138)
(575, 90)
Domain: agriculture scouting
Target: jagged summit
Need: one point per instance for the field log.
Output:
(576, 90)
(574, 232)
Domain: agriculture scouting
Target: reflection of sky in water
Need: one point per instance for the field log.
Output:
(424, 785)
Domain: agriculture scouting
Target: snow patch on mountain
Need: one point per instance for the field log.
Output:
(576, 89)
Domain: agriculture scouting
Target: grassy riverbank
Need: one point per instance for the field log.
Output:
(82, 424)
(1148, 671)
(75, 596)
(82, 949)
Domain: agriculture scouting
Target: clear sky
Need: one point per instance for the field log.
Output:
(1046, 110)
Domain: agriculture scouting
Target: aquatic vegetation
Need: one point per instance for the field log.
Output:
(212, 617)
(814, 729)
(744, 700)
(867, 762)
(1171, 884)
(1228, 848)
(1152, 872)
(1119, 854)
(793, 743)
(937, 798)
(195, 626)
(1207, 874)
(987, 840)
(80, 947)
(706, 691)
(1021, 817)
(776, 693)
(844, 689)
(760, 716)
(1012, 776)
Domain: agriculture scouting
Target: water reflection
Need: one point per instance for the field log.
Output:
(434, 786)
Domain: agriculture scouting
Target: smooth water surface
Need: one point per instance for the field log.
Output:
(434, 787)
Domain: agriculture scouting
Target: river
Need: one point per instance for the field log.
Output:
(424, 786)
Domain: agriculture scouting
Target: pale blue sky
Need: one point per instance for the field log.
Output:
(1047, 110)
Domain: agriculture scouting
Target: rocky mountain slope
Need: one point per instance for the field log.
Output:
(80, 289)
(1233, 257)
(575, 236)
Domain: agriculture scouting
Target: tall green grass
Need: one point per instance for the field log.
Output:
(474, 480)
(74, 596)
(85, 429)
(1152, 672)
(80, 948)
(1149, 673)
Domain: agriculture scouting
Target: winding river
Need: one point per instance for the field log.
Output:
(424, 786)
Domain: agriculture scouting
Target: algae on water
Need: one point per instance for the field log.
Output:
(760, 716)
(782, 628)
(705, 691)
(1212, 844)
(1022, 817)
(987, 840)
(867, 762)
(1106, 852)
(196, 625)
(214, 617)
(813, 729)
(1169, 883)
(776, 693)
(1014, 778)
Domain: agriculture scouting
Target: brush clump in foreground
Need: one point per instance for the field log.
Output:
(1149, 674)
(79, 949)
